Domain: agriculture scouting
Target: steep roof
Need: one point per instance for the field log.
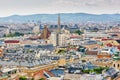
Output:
(45, 33)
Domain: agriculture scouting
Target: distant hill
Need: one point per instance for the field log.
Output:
(65, 17)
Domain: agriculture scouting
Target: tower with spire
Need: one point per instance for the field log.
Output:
(59, 25)
(58, 30)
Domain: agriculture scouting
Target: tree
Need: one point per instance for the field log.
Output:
(78, 32)
(22, 78)
(14, 34)
(18, 34)
(96, 70)
(42, 79)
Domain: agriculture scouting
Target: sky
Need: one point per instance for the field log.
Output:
(26, 7)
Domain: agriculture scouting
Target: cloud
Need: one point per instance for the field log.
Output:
(9, 7)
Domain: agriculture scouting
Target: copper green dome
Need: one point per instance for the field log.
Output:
(116, 56)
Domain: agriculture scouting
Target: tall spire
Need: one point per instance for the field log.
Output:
(58, 30)
(59, 23)
(59, 20)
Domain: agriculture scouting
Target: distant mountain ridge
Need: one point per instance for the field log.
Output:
(65, 18)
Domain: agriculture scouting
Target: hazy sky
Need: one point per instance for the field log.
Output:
(23, 7)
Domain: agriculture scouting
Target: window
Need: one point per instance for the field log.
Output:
(118, 65)
(114, 65)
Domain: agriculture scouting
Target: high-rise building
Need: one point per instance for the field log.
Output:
(62, 39)
(53, 38)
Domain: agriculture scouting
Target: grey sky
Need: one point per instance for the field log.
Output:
(23, 7)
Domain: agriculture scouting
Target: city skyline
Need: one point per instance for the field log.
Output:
(59, 40)
(26, 7)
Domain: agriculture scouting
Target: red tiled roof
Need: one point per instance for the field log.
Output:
(11, 41)
(91, 52)
(52, 75)
(105, 39)
(109, 45)
(118, 47)
(74, 37)
(41, 73)
(114, 35)
(104, 56)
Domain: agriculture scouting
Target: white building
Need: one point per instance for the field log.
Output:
(53, 38)
(36, 30)
(75, 40)
(7, 31)
(62, 39)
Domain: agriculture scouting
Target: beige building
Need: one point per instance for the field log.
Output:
(72, 77)
(53, 38)
(113, 42)
(12, 43)
(92, 46)
(54, 78)
(62, 39)
(75, 41)
(103, 62)
(116, 64)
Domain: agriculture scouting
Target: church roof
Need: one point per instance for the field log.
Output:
(45, 33)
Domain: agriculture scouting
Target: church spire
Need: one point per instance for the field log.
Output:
(59, 20)
(58, 30)
(59, 23)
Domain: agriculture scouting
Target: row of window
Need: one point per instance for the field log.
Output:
(116, 65)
